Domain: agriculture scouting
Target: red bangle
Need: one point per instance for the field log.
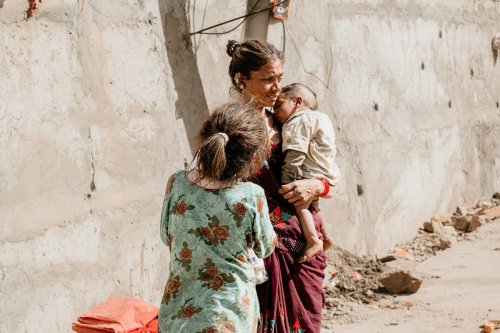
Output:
(326, 186)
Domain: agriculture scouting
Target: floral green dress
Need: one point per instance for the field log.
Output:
(211, 287)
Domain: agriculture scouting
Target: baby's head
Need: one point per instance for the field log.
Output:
(233, 143)
(294, 97)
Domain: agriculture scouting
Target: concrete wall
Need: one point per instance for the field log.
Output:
(413, 90)
(88, 136)
(415, 96)
(101, 101)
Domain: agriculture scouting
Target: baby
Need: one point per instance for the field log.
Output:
(309, 147)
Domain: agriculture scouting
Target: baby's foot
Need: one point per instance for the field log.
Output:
(327, 243)
(312, 247)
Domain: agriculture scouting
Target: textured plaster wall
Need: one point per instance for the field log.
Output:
(102, 100)
(414, 94)
(88, 137)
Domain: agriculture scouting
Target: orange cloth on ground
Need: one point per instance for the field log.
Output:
(119, 315)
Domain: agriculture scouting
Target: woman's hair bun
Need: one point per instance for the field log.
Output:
(232, 45)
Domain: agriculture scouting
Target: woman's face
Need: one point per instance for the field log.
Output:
(264, 85)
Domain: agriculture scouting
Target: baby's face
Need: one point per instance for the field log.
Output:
(284, 108)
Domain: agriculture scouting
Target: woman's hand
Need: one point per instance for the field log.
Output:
(301, 192)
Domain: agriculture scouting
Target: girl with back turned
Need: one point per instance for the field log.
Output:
(209, 220)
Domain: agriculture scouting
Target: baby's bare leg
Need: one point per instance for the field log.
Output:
(313, 243)
(327, 240)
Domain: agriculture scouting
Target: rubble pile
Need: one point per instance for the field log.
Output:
(442, 231)
(350, 278)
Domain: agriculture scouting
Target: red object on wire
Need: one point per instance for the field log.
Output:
(281, 9)
(32, 8)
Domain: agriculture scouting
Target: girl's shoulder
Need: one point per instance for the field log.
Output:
(176, 178)
(252, 188)
(179, 175)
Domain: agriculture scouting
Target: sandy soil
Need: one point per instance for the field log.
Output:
(459, 292)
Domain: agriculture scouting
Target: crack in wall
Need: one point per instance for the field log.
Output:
(92, 182)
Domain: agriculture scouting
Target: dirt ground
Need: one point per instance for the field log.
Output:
(460, 287)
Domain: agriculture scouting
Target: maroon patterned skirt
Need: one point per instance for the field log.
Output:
(292, 299)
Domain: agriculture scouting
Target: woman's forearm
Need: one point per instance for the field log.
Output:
(302, 192)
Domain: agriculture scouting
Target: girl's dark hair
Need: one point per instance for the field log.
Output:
(249, 56)
(233, 143)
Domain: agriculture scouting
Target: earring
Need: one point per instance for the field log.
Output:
(237, 81)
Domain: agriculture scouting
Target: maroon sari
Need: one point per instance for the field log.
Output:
(292, 299)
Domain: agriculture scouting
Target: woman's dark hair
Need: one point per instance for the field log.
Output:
(233, 143)
(249, 56)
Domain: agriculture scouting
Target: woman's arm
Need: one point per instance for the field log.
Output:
(303, 191)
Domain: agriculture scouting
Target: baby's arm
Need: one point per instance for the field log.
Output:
(292, 166)
(296, 138)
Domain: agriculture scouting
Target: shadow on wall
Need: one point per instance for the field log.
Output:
(191, 105)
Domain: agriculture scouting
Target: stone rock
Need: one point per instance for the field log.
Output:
(387, 258)
(444, 219)
(450, 231)
(452, 239)
(496, 195)
(484, 205)
(438, 228)
(428, 227)
(461, 211)
(461, 222)
(491, 213)
(400, 282)
(444, 244)
(476, 222)
(331, 302)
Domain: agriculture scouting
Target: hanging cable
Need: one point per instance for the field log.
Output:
(327, 84)
(228, 31)
(284, 35)
(202, 31)
(197, 45)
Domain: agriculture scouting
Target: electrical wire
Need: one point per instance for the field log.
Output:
(239, 24)
(284, 35)
(327, 84)
(285, 32)
(196, 46)
(244, 17)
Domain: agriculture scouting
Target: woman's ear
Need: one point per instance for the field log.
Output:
(238, 80)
